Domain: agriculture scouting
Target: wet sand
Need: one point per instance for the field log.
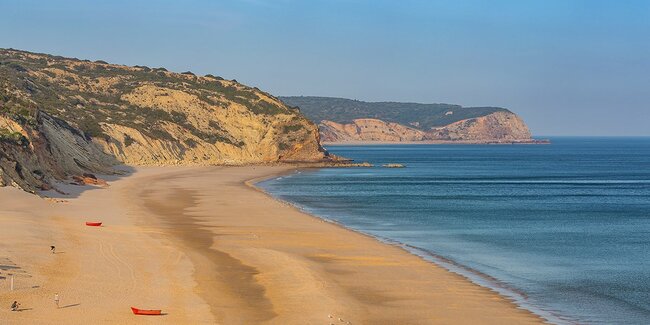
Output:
(207, 248)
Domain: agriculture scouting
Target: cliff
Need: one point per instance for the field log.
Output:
(61, 117)
(344, 120)
(499, 127)
(369, 130)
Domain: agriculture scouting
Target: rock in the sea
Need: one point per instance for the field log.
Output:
(351, 164)
(392, 165)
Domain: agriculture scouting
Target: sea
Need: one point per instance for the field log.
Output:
(563, 229)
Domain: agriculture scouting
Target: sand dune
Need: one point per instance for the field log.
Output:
(206, 248)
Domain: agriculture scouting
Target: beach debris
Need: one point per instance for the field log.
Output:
(53, 249)
(88, 179)
(55, 200)
(93, 223)
(61, 192)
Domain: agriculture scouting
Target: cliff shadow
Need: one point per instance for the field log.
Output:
(69, 188)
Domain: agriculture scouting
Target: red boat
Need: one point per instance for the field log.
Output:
(146, 311)
(93, 224)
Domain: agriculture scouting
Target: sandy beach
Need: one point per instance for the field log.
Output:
(206, 247)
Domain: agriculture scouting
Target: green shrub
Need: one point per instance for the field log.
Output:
(291, 128)
(214, 77)
(143, 67)
(213, 124)
(159, 133)
(263, 107)
(128, 140)
(17, 67)
(13, 137)
(91, 128)
(178, 117)
(155, 115)
(191, 143)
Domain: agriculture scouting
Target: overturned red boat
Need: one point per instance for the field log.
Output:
(93, 224)
(146, 311)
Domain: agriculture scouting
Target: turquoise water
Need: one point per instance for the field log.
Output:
(564, 229)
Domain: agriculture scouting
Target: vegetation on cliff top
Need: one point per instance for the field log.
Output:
(86, 94)
(419, 116)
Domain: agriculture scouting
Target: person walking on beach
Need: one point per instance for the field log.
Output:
(15, 306)
(56, 299)
(53, 249)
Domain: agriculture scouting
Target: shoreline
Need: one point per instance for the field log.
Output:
(476, 277)
(516, 297)
(192, 226)
(440, 142)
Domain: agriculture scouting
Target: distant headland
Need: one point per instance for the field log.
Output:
(351, 121)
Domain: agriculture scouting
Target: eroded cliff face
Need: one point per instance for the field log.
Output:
(498, 127)
(369, 130)
(61, 117)
(33, 155)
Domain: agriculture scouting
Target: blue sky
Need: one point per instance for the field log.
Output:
(567, 67)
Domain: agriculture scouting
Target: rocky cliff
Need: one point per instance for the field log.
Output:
(494, 127)
(344, 120)
(369, 130)
(61, 117)
(499, 127)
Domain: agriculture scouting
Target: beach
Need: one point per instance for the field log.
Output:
(206, 247)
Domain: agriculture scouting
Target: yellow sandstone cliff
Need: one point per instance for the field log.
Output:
(61, 117)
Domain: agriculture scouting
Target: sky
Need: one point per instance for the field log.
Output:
(567, 67)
